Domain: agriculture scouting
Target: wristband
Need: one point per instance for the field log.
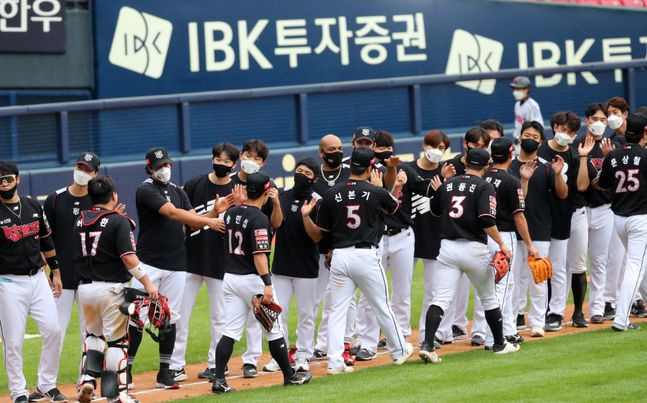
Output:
(52, 262)
(137, 272)
(267, 278)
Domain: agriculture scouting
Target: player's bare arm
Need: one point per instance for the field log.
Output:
(131, 261)
(262, 267)
(57, 284)
(277, 214)
(493, 232)
(189, 218)
(390, 176)
(583, 150)
(561, 189)
(522, 227)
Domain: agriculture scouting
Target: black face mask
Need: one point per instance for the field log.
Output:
(333, 159)
(529, 145)
(302, 185)
(8, 194)
(221, 170)
(384, 155)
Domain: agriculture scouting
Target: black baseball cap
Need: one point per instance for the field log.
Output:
(89, 159)
(636, 124)
(501, 149)
(257, 183)
(478, 157)
(364, 133)
(361, 159)
(157, 156)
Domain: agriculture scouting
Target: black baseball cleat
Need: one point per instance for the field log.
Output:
(515, 338)
(458, 333)
(630, 326)
(298, 378)
(165, 380)
(505, 348)
(609, 311)
(638, 309)
(521, 322)
(597, 319)
(21, 399)
(365, 355)
(578, 320)
(208, 373)
(477, 340)
(53, 395)
(553, 323)
(428, 354)
(382, 343)
(220, 386)
(249, 371)
(180, 375)
(320, 355)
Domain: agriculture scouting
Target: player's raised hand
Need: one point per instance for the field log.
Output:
(401, 179)
(528, 169)
(436, 182)
(121, 208)
(534, 252)
(584, 149)
(558, 164)
(274, 195)
(223, 203)
(268, 294)
(217, 225)
(376, 178)
(606, 146)
(392, 161)
(307, 207)
(240, 194)
(448, 170)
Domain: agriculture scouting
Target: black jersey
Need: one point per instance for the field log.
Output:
(415, 184)
(593, 197)
(62, 209)
(295, 254)
(205, 248)
(161, 240)
(353, 211)
(426, 226)
(624, 172)
(541, 188)
(248, 232)
(458, 164)
(322, 185)
(101, 238)
(618, 140)
(268, 207)
(25, 234)
(509, 197)
(461, 202)
(562, 209)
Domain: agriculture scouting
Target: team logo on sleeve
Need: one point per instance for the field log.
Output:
(493, 205)
(522, 200)
(262, 239)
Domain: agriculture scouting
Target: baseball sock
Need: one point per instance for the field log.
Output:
(166, 347)
(495, 321)
(135, 335)
(223, 353)
(279, 352)
(550, 293)
(578, 286)
(432, 321)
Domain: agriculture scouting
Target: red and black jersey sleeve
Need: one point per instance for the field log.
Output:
(259, 235)
(124, 238)
(486, 201)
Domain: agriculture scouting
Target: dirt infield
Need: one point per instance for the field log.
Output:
(145, 390)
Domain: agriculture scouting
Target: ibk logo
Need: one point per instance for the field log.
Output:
(17, 232)
(471, 53)
(141, 42)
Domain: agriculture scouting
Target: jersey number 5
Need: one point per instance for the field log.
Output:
(353, 220)
(239, 238)
(627, 182)
(457, 207)
(95, 235)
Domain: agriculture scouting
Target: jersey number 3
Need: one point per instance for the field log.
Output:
(627, 182)
(353, 220)
(457, 207)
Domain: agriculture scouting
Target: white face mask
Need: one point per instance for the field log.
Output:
(249, 166)
(597, 129)
(163, 174)
(81, 178)
(563, 139)
(519, 95)
(614, 121)
(433, 154)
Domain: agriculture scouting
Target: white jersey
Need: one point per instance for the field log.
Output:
(527, 110)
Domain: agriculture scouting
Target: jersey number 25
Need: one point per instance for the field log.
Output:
(627, 182)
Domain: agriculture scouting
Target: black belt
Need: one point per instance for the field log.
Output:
(393, 231)
(33, 272)
(363, 245)
(91, 281)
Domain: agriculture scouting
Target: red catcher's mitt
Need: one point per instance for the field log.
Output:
(266, 314)
(501, 265)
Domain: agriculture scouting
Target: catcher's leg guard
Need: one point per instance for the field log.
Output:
(92, 359)
(114, 379)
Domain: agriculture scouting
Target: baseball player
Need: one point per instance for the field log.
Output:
(352, 212)
(545, 181)
(526, 109)
(510, 202)
(493, 129)
(24, 289)
(104, 255)
(624, 171)
(330, 173)
(462, 202)
(205, 259)
(426, 227)
(62, 208)
(295, 266)
(253, 157)
(618, 110)
(592, 223)
(565, 126)
(248, 233)
(164, 209)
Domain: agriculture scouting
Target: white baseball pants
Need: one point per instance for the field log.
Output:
(304, 290)
(456, 312)
(216, 318)
(559, 283)
(352, 268)
(632, 232)
(427, 267)
(168, 283)
(615, 268)
(524, 281)
(22, 296)
(64, 305)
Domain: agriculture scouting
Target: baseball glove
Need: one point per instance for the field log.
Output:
(542, 269)
(501, 265)
(266, 314)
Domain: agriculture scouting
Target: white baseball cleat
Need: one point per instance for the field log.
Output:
(506, 348)
(339, 370)
(272, 366)
(536, 331)
(301, 365)
(408, 350)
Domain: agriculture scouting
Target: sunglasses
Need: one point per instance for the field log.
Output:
(7, 179)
